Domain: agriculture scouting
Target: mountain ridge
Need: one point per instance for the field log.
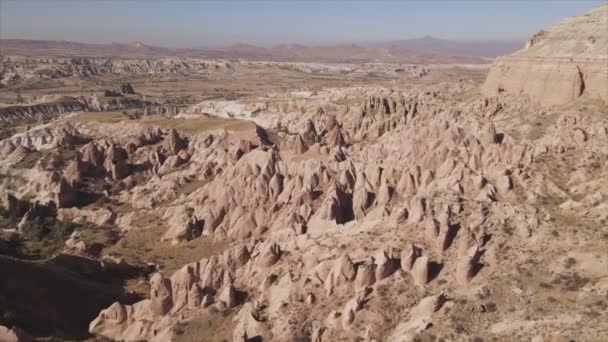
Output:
(418, 50)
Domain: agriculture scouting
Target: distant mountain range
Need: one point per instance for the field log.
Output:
(422, 50)
(488, 49)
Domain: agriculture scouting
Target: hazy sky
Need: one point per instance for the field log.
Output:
(201, 23)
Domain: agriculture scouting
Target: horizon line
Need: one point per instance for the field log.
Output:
(310, 44)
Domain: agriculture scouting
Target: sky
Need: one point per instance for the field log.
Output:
(220, 23)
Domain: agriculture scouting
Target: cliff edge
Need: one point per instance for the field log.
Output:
(559, 64)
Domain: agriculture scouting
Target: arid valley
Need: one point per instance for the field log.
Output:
(298, 193)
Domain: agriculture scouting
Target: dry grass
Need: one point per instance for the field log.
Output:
(209, 328)
(102, 236)
(198, 124)
(189, 188)
(190, 125)
(137, 286)
(103, 117)
(139, 246)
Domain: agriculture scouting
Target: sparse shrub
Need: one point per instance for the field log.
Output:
(7, 221)
(102, 201)
(43, 237)
(62, 230)
(570, 262)
(14, 240)
(111, 93)
(37, 228)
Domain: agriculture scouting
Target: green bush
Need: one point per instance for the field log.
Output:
(62, 230)
(47, 229)
(43, 237)
(35, 229)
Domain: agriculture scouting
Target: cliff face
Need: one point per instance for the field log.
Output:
(560, 64)
(16, 68)
(50, 110)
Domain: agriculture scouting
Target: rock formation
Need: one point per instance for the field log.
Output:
(559, 64)
(418, 210)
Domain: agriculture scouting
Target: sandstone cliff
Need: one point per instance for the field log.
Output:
(560, 64)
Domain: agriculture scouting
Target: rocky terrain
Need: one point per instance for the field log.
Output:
(413, 207)
(559, 64)
(18, 69)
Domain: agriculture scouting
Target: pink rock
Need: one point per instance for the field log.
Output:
(161, 300)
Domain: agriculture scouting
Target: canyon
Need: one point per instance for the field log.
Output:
(182, 198)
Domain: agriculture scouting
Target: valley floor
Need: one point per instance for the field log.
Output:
(297, 202)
